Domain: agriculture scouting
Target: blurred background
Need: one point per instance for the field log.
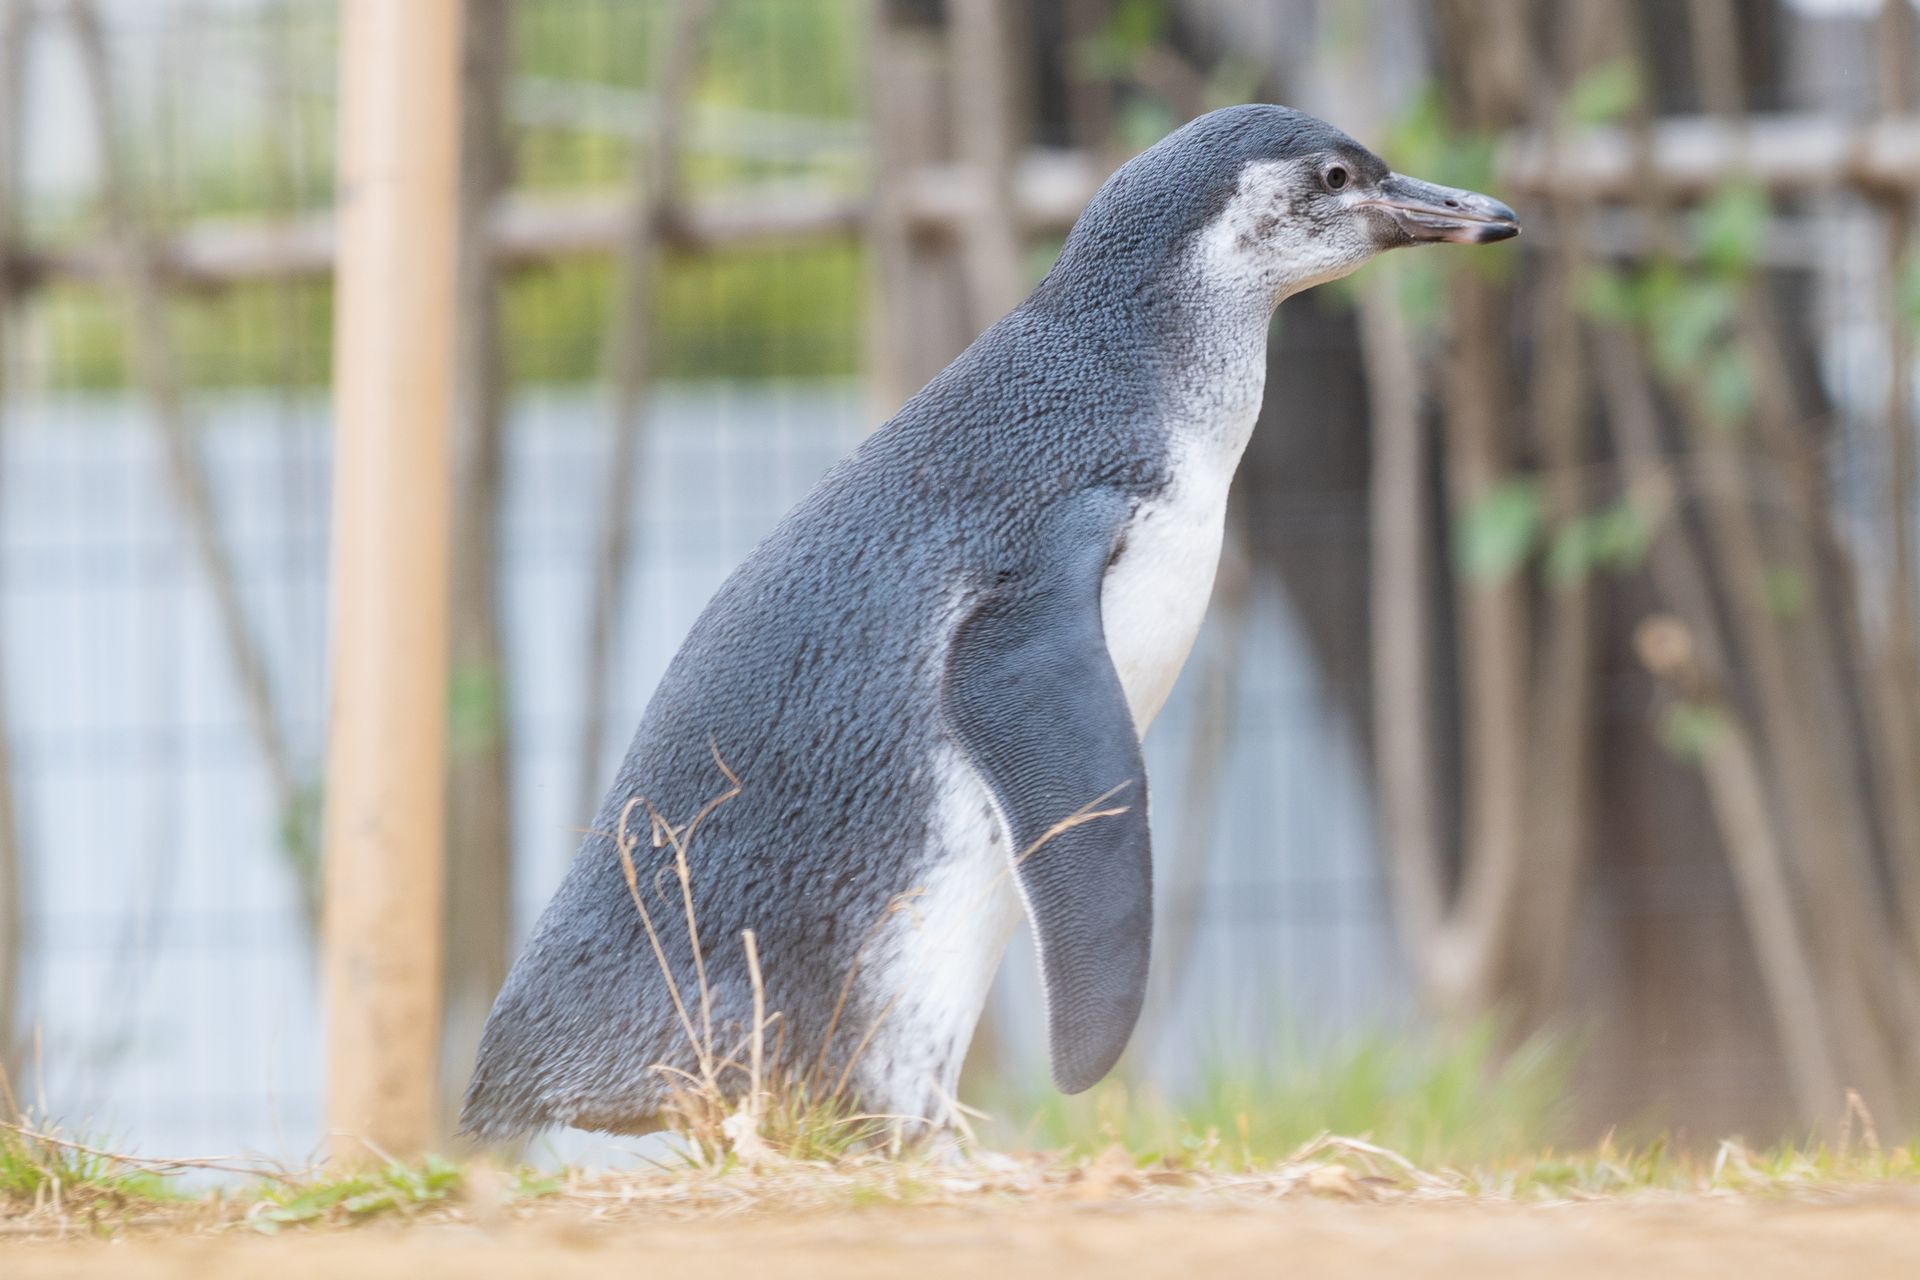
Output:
(1552, 750)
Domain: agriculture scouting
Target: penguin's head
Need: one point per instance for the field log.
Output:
(1264, 201)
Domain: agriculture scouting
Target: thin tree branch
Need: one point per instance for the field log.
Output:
(1735, 783)
(16, 20)
(156, 368)
(479, 881)
(1825, 834)
(1401, 517)
(630, 359)
(1893, 666)
(1558, 806)
(1401, 617)
(1893, 38)
(1496, 664)
(1495, 640)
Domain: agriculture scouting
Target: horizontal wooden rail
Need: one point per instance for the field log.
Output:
(1690, 155)
(1052, 187)
(1687, 156)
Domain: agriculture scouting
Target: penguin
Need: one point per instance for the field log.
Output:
(914, 713)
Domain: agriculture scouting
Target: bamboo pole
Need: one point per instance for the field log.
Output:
(399, 144)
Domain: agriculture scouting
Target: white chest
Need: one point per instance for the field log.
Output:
(1155, 595)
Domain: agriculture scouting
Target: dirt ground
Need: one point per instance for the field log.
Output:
(1863, 1234)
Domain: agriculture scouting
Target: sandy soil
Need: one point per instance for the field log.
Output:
(1864, 1234)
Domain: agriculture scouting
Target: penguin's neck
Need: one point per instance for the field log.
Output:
(1193, 324)
(1208, 384)
(1215, 375)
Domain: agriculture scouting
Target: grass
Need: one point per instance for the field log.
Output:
(53, 1186)
(38, 1165)
(1436, 1119)
(1785, 1169)
(743, 1104)
(392, 1187)
(1452, 1100)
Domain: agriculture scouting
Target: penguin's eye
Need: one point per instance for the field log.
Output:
(1336, 177)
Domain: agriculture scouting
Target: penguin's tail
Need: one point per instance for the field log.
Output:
(551, 1055)
(499, 1107)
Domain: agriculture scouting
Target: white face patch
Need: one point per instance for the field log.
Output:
(1280, 233)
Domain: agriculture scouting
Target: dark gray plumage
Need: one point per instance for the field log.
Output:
(940, 597)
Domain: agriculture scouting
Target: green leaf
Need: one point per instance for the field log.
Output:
(315, 1201)
(1138, 25)
(1625, 534)
(370, 1201)
(300, 826)
(1135, 27)
(1415, 141)
(1658, 283)
(1786, 591)
(1909, 287)
(1605, 94)
(1143, 122)
(1686, 320)
(1692, 730)
(1732, 226)
(1727, 391)
(1422, 290)
(1572, 554)
(1607, 296)
(1100, 58)
(1236, 79)
(1423, 142)
(1615, 539)
(361, 1195)
(474, 698)
(529, 1185)
(1494, 536)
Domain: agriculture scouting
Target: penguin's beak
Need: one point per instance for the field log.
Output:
(1425, 212)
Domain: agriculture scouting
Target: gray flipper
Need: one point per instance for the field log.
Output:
(1032, 697)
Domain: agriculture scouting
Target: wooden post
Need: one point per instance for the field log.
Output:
(399, 143)
(919, 317)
